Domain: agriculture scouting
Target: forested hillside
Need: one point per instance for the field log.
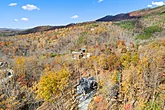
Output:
(127, 61)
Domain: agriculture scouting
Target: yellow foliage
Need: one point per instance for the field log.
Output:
(102, 61)
(51, 84)
(113, 77)
(120, 45)
(19, 66)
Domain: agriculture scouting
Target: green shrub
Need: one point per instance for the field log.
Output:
(144, 36)
(53, 55)
(152, 29)
(152, 106)
(148, 32)
(127, 24)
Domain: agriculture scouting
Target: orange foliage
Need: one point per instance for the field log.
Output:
(121, 42)
(128, 107)
(100, 103)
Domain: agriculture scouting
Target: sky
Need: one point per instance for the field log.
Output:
(23, 14)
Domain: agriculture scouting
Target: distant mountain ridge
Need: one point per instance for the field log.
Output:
(12, 32)
(48, 28)
(10, 29)
(119, 17)
(133, 15)
(9, 32)
(43, 28)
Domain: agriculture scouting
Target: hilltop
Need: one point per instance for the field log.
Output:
(134, 14)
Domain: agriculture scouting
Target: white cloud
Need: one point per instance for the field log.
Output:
(155, 4)
(99, 1)
(24, 19)
(158, 3)
(150, 6)
(16, 20)
(12, 4)
(75, 16)
(30, 7)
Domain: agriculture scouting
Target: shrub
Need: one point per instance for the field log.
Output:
(144, 36)
(152, 106)
(127, 24)
(53, 55)
(148, 32)
(152, 29)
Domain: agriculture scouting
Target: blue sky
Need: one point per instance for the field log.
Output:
(30, 13)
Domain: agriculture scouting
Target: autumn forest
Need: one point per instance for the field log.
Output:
(127, 60)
